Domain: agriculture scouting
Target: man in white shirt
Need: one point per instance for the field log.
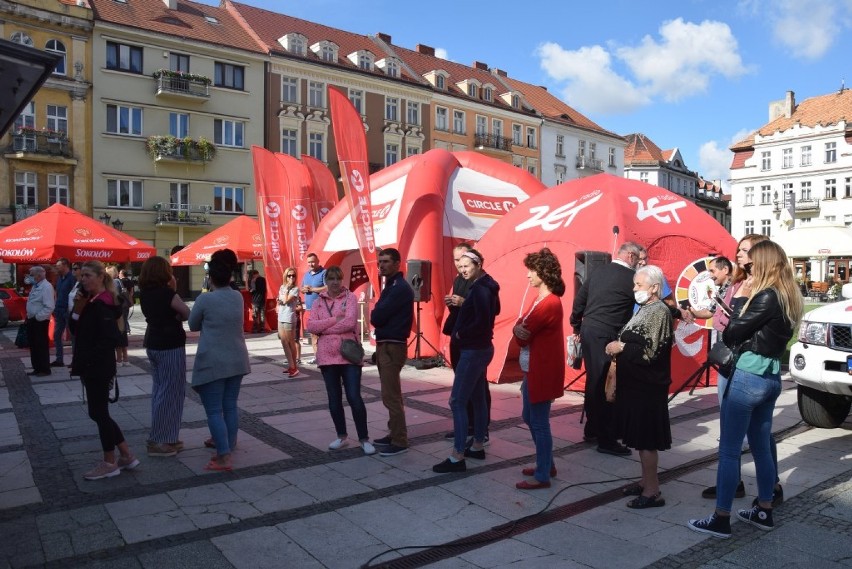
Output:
(40, 305)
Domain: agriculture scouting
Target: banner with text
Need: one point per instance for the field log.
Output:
(272, 186)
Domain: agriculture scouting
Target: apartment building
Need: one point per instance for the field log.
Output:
(572, 146)
(178, 103)
(792, 180)
(45, 157)
(646, 162)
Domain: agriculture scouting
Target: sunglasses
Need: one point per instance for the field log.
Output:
(290, 275)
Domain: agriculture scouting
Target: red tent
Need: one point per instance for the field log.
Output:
(598, 214)
(423, 206)
(242, 235)
(60, 231)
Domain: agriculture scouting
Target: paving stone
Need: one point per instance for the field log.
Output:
(266, 548)
(352, 544)
(197, 555)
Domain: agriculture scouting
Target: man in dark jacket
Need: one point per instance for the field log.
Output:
(392, 317)
(602, 306)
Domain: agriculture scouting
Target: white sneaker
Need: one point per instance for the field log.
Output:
(338, 443)
(312, 361)
(368, 448)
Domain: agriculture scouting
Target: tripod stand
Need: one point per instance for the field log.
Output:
(693, 380)
(417, 283)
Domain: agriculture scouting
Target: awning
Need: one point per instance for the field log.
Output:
(828, 241)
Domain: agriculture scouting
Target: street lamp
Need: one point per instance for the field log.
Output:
(104, 218)
(118, 224)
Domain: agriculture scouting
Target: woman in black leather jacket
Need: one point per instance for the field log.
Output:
(760, 333)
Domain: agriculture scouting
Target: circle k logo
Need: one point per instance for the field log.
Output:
(299, 212)
(357, 181)
(273, 210)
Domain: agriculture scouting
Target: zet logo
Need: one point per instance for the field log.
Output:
(665, 213)
(299, 212)
(273, 210)
(357, 181)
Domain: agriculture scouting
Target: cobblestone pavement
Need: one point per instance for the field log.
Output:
(290, 502)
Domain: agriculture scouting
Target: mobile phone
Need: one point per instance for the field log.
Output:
(726, 308)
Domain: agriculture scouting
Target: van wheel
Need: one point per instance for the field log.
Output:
(821, 409)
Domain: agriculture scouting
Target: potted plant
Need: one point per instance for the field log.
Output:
(206, 149)
(168, 73)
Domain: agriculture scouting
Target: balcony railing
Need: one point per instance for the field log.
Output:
(586, 163)
(183, 87)
(493, 141)
(182, 214)
(171, 148)
(20, 212)
(37, 142)
(801, 205)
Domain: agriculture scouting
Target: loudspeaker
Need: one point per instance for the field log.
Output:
(419, 275)
(586, 263)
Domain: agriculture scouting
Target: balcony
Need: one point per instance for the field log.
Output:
(42, 142)
(20, 212)
(806, 205)
(186, 86)
(172, 149)
(492, 141)
(182, 214)
(587, 163)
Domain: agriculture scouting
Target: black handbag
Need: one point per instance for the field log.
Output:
(352, 351)
(21, 340)
(723, 358)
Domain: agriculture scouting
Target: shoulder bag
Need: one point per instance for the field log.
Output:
(351, 350)
(723, 358)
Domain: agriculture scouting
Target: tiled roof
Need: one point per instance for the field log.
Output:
(553, 108)
(740, 157)
(187, 21)
(642, 150)
(269, 26)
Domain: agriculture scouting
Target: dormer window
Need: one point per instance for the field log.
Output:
(488, 94)
(472, 91)
(439, 82)
(512, 98)
(389, 65)
(363, 59)
(294, 43)
(516, 102)
(438, 79)
(326, 51)
(469, 86)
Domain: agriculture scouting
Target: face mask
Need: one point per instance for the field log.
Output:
(29, 280)
(641, 296)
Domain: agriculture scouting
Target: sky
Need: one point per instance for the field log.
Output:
(696, 75)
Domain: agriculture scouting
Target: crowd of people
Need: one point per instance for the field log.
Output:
(622, 315)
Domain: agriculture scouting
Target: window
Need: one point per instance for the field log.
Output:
(612, 157)
(516, 102)
(488, 94)
(412, 150)
(26, 190)
(787, 158)
(56, 47)
(179, 195)
(806, 155)
(391, 68)
(439, 82)
(228, 199)
(560, 145)
(806, 191)
(357, 99)
(124, 193)
(593, 147)
(848, 192)
(481, 125)
(391, 109)
(831, 218)
(830, 152)
(179, 124)
(472, 91)
(413, 117)
(365, 61)
(391, 154)
(531, 137)
(124, 120)
(22, 38)
(560, 174)
(294, 43)
(289, 89)
(532, 167)
(831, 189)
(765, 227)
(765, 161)
(230, 76)
(581, 148)
(289, 142)
(316, 94)
(643, 176)
(315, 146)
(179, 62)
(496, 127)
(516, 134)
(458, 122)
(57, 189)
(765, 195)
(57, 118)
(749, 227)
(228, 133)
(442, 121)
(123, 57)
(328, 53)
(749, 195)
(26, 120)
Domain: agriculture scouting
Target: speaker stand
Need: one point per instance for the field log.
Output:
(417, 338)
(704, 370)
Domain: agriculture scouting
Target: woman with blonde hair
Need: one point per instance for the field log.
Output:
(289, 308)
(760, 334)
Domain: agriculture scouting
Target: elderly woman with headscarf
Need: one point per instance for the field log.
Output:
(642, 353)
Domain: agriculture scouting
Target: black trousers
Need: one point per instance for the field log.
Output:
(601, 419)
(454, 357)
(97, 396)
(39, 344)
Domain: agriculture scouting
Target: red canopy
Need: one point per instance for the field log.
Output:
(60, 231)
(242, 235)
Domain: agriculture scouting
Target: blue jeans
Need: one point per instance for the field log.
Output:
(747, 410)
(350, 377)
(220, 402)
(469, 385)
(537, 418)
(60, 323)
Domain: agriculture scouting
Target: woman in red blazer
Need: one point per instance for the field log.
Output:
(539, 333)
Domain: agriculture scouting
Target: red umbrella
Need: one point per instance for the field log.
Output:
(241, 235)
(60, 231)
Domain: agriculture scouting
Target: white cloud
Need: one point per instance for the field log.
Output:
(592, 85)
(714, 163)
(680, 64)
(807, 28)
(442, 53)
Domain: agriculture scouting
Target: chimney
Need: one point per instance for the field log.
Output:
(542, 87)
(480, 65)
(499, 72)
(789, 104)
(384, 37)
(170, 4)
(425, 50)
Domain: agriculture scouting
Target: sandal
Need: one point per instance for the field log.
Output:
(214, 465)
(529, 471)
(534, 485)
(633, 490)
(643, 502)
